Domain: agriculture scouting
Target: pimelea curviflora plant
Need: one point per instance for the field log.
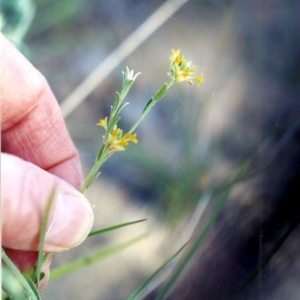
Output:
(114, 140)
(26, 286)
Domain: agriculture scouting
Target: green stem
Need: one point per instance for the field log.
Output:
(102, 254)
(22, 289)
(150, 105)
(94, 172)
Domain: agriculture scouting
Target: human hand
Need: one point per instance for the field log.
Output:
(38, 156)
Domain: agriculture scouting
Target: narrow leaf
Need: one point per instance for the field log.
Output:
(33, 287)
(143, 286)
(120, 108)
(117, 101)
(42, 237)
(186, 259)
(104, 230)
(149, 103)
(126, 89)
(161, 93)
(78, 264)
(112, 123)
(13, 277)
(11, 287)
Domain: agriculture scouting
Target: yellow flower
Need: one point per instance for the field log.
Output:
(199, 79)
(183, 70)
(103, 123)
(130, 138)
(175, 57)
(117, 142)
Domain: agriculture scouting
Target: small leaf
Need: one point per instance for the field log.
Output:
(149, 104)
(100, 152)
(121, 107)
(116, 104)
(126, 89)
(91, 180)
(161, 93)
(112, 123)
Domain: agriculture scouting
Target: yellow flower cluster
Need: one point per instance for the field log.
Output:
(183, 70)
(116, 141)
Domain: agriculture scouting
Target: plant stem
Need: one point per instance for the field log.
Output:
(22, 289)
(150, 105)
(93, 173)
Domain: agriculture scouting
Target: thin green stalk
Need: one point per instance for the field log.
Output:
(94, 173)
(199, 239)
(192, 250)
(104, 230)
(78, 264)
(150, 279)
(267, 258)
(24, 291)
(42, 240)
(151, 103)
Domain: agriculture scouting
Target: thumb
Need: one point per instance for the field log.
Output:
(25, 192)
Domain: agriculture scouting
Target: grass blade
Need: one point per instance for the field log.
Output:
(186, 259)
(75, 265)
(104, 230)
(149, 280)
(13, 282)
(42, 239)
(267, 258)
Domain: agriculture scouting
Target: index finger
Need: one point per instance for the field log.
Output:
(31, 122)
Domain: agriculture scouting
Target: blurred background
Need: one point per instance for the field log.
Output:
(216, 165)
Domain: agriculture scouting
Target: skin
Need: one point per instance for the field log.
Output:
(38, 158)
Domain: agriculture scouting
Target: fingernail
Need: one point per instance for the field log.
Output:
(71, 223)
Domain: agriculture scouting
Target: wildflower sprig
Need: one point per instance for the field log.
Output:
(180, 70)
(114, 140)
(183, 70)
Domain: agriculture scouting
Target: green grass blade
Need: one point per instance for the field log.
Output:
(267, 258)
(14, 283)
(104, 230)
(11, 288)
(42, 238)
(186, 259)
(75, 265)
(33, 286)
(149, 280)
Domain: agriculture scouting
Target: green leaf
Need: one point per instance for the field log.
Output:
(14, 283)
(143, 286)
(33, 287)
(100, 152)
(149, 104)
(116, 104)
(78, 264)
(11, 286)
(104, 230)
(120, 108)
(91, 180)
(126, 88)
(42, 238)
(112, 123)
(161, 93)
(266, 259)
(200, 238)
